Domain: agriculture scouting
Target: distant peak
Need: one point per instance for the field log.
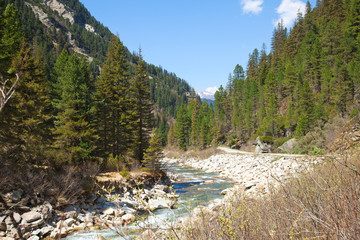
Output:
(208, 93)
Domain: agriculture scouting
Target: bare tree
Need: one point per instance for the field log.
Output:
(6, 94)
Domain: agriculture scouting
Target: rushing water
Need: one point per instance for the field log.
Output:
(194, 188)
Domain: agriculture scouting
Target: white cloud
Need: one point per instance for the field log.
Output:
(208, 93)
(288, 11)
(252, 6)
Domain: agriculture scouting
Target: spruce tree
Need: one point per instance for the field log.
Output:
(182, 127)
(143, 112)
(74, 135)
(25, 127)
(153, 154)
(115, 107)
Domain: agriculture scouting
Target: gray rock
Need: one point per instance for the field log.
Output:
(162, 187)
(128, 218)
(36, 223)
(159, 203)
(69, 221)
(17, 217)
(159, 192)
(31, 216)
(46, 230)
(36, 232)
(288, 146)
(109, 211)
(262, 147)
(148, 235)
(33, 238)
(15, 196)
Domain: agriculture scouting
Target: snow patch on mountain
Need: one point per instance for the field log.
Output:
(208, 93)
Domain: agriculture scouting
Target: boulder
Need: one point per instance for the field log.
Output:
(148, 235)
(288, 146)
(128, 218)
(31, 216)
(159, 203)
(109, 211)
(69, 221)
(17, 217)
(46, 230)
(34, 237)
(162, 187)
(15, 196)
(262, 147)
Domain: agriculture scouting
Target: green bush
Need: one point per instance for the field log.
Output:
(316, 151)
(267, 139)
(280, 141)
(124, 172)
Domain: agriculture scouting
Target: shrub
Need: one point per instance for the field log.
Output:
(267, 139)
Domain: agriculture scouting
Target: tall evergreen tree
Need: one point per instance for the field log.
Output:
(115, 108)
(182, 127)
(24, 129)
(73, 140)
(144, 117)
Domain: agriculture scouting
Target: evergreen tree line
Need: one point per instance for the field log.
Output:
(75, 116)
(310, 76)
(167, 90)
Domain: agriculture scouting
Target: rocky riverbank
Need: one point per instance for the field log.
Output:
(116, 203)
(253, 173)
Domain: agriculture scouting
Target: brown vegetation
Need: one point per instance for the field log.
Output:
(174, 152)
(321, 204)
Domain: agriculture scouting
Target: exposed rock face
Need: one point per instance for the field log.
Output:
(262, 147)
(288, 146)
(348, 138)
(61, 9)
(43, 17)
(89, 28)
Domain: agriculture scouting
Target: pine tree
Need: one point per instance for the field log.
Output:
(182, 127)
(144, 117)
(74, 135)
(25, 129)
(153, 154)
(10, 38)
(115, 108)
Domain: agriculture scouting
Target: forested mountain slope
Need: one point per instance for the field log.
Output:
(308, 80)
(53, 25)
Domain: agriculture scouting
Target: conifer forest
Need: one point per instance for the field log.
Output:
(75, 98)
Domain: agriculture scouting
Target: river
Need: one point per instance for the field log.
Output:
(194, 188)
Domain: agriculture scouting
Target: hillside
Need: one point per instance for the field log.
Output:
(305, 87)
(53, 25)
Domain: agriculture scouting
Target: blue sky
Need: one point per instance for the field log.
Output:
(200, 41)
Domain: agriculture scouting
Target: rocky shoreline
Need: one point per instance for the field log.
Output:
(118, 205)
(253, 173)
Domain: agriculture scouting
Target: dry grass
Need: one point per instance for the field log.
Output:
(321, 204)
(174, 152)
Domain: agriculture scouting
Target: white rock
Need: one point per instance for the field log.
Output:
(128, 218)
(31, 216)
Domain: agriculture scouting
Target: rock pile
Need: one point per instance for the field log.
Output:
(252, 172)
(96, 212)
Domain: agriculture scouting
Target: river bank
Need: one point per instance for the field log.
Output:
(253, 173)
(117, 201)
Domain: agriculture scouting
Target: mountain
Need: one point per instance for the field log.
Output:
(208, 93)
(53, 25)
